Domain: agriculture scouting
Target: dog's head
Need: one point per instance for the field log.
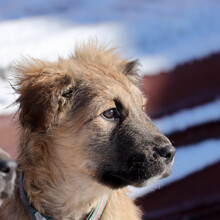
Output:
(90, 109)
(7, 175)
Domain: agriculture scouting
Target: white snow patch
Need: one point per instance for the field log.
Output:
(182, 52)
(168, 32)
(47, 38)
(188, 159)
(187, 118)
(161, 33)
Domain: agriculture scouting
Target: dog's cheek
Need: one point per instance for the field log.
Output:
(100, 151)
(92, 149)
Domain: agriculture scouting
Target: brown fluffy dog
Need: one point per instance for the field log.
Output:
(7, 175)
(84, 134)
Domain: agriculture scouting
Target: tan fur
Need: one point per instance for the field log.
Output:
(58, 169)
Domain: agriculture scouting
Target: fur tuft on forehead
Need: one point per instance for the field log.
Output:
(99, 54)
(108, 58)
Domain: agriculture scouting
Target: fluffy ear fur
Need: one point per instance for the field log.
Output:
(45, 91)
(130, 70)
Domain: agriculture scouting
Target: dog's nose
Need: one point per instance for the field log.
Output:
(167, 152)
(7, 167)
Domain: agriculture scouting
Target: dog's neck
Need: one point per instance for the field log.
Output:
(53, 192)
(68, 200)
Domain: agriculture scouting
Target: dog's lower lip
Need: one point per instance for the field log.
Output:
(136, 183)
(120, 177)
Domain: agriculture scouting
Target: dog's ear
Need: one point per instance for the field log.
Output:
(130, 70)
(45, 91)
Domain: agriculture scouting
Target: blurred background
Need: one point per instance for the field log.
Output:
(178, 46)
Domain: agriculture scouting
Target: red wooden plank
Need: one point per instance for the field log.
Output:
(186, 86)
(196, 134)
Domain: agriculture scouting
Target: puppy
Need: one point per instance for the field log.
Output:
(84, 138)
(7, 175)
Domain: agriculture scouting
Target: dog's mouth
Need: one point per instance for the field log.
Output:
(122, 179)
(137, 177)
(115, 180)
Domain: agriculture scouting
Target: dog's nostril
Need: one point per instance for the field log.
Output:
(167, 152)
(7, 166)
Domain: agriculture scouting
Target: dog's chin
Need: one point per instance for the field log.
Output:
(117, 180)
(114, 181)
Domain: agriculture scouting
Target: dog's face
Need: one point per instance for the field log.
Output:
(7, 175)
(91, 108)
(122, 144)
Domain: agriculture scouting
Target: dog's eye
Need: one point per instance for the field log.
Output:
(111, 114)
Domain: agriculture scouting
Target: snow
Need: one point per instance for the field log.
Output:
(187, 118)
(161, 33)
(39, 41)
(188, 159)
